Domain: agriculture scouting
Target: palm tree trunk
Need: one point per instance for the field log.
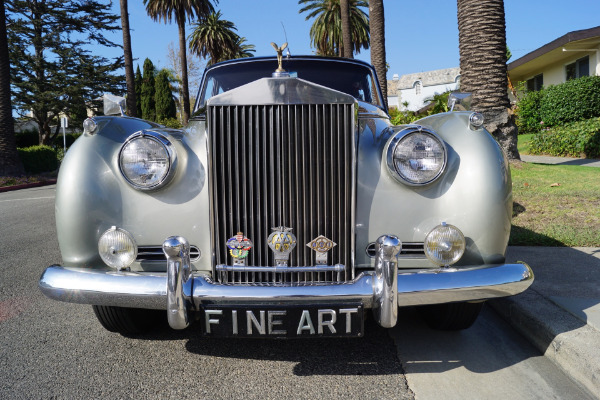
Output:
(377, 26)
(483, 72)
(346, 34)
(10, 164)
(129, 77)
(183, 61)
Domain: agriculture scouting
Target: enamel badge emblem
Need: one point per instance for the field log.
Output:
(239, 246)
(282, 241)
(321, 245)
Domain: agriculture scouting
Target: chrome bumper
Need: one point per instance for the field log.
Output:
(383, 290)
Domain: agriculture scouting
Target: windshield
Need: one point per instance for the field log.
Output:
(354, 79)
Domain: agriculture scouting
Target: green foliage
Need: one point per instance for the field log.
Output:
(528, 113)
(573, 139)
(326, 30)
(138, 91)
(170, 123)
(27, 138)
(438, 103)
(165, 105)
(574, 100)
(214, 38)
(38, 159)
(148, 92)
(398, 117)
(69, 139)
(51, 64)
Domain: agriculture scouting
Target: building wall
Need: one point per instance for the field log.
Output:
(416, 101)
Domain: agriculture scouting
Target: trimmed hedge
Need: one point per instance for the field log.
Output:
(38, 159)
(27, 138)
(571, 101)
(581, 138)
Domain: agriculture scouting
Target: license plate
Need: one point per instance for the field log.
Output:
(283, 321)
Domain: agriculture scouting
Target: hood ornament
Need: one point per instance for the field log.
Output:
(239, 246)
(279, 72)
(282, 241)
(321, 245)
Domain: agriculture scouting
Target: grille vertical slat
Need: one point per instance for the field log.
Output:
(288, 165)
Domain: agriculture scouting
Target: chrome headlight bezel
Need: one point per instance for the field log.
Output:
(403, 135)
(171, 156)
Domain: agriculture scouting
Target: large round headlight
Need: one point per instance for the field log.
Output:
(444, 245)
(117, 248)
(416, 156)
(147, 160)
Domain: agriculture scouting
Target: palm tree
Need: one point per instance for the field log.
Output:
(243, 50)
(10, 164)
(214, 39)
(129, 77)
(483, 72)
(346, 36)
(376, 15)
(326, 30)
(180, 10)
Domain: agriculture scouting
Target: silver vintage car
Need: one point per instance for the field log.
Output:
(290, 206)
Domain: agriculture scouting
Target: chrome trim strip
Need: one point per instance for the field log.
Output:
(140, 290)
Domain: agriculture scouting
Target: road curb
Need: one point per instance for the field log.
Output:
(566, 340)
(27, 185)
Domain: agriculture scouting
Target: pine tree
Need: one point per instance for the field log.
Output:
(138, 91)
(148, 91)
(165, 105)
(51, 65)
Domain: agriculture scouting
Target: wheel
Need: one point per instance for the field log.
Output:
(451, 316)
(128, 321)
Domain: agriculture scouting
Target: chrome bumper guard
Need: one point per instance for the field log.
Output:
(383, 290)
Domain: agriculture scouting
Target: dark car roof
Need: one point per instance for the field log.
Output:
(286, 58)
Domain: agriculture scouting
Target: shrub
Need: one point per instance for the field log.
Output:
(38, 159)
(170, 123)
(574, 100)
(571, 101)
(573, 139)
(528, 113)
(27, 138)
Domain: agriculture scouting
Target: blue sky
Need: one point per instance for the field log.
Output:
(420, 35)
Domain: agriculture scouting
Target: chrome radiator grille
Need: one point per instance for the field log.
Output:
(283, 165)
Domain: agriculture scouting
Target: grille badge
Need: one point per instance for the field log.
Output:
(282, 241)
(321, 245)
(239, 246)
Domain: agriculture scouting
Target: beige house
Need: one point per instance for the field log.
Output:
(571, 56)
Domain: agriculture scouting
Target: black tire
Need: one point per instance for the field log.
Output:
(128, 321)
(451, 316)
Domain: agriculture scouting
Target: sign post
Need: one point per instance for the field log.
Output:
(64, 122)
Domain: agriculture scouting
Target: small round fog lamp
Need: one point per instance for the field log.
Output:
(476, 120)
(90, 126)
(444, 245)
(117, 248)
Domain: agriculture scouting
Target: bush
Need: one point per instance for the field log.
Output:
(170, 123)
(38, 159)
(27, 138)
(573, 139)
(571, 101)
(528, 113)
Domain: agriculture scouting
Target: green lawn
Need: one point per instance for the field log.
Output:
(547, 214)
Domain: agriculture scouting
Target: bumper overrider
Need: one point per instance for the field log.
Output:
(383, 290)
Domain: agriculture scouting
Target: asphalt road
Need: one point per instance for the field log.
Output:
(58, 350)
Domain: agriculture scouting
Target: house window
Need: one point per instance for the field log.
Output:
(534, 84)
(418, 87)
(578, 69)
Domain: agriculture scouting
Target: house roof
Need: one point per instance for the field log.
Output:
(427, 78)
(552, 52)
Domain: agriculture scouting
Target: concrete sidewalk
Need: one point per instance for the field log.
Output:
(586, 162)
(560, 312)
